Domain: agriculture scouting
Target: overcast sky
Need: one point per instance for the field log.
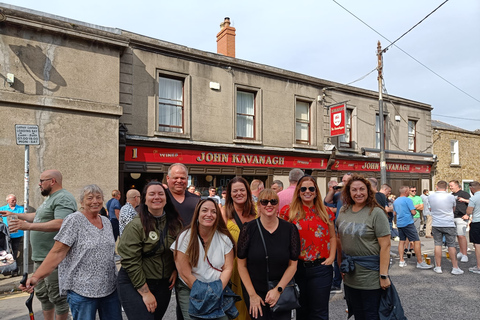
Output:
(321, 39)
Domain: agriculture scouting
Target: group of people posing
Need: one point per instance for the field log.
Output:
(226, 262)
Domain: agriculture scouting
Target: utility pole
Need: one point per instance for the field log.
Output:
(383, 164)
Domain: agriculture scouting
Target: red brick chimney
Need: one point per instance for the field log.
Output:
(226, 39)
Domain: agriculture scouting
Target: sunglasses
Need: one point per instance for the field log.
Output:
(311, 189)
(265, 202)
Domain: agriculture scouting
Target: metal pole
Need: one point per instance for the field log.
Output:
(26, 236)
(383, 164)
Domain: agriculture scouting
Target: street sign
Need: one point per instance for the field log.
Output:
(27, 134)
(337, 120)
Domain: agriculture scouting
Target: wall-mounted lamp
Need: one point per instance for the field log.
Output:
(398, 118)
(10, 79)
(214, 85)
(135, 175)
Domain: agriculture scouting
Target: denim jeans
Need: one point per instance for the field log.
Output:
(363, 304)
(314, 283)
(84, 308)
(337, 276)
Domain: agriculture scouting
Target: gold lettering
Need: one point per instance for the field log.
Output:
(242, 159)
(201, 157)
(261, 160)
(275, 160)
(235, 158)
(216, 157)
(281, 161)
(225, 157)
(134, 153)
(209, 157)
(269, 161)
(249, 158)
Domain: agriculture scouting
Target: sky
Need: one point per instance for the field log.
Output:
(321, 39)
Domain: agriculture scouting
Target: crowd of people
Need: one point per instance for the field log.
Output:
(235, 256)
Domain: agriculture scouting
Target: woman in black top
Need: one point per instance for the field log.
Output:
(283, 246)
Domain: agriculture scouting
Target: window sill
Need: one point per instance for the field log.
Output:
(246, 141)
(304, 146)
(172, 134)
(455, 165)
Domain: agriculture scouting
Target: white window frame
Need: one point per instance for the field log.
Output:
(257, 116)
(455, 157)
(412, 134)
(307, 122)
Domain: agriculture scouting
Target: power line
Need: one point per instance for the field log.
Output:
(441, 115)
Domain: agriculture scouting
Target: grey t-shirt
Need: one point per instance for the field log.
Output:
(441, 208)
(358, 232)
(89, 267)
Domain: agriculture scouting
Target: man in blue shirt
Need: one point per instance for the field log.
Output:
(113, 209)
(16, 238)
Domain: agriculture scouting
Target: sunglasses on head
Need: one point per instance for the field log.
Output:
(265, 202)
(311, 189)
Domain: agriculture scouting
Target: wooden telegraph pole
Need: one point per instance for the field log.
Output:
(383, 164)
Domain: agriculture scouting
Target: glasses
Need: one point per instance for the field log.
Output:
(265, 202)
(413, 190)
(43, 180)
(311, 189)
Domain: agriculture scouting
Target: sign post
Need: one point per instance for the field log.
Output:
(26, 135)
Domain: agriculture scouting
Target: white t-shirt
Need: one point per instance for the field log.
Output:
(441, 208)
(220, 246)
(475, 203)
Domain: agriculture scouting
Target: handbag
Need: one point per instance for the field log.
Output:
(290, 295)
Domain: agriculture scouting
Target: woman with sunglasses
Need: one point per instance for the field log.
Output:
(238, 210)
(204, 258)
(318, 246)
(283, 247)
(364, 235)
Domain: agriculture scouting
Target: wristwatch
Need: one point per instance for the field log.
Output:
(384, 276)
(280, 289)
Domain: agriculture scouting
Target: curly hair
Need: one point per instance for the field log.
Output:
(347, 199)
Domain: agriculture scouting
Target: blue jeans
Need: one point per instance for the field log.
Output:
(363, 304)
(314, 283)
(337, 276)
(84, 308)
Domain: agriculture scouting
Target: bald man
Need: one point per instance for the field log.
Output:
(44, 225)
(128, 212)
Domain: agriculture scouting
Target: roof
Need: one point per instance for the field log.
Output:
(436, 124)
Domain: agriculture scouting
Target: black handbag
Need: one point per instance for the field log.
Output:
(290, 295)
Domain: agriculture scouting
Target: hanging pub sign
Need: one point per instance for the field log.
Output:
(337, 120)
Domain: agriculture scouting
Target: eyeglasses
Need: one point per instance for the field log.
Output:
(43, 180)
(265, 202)
(303, 189)
(413, 190)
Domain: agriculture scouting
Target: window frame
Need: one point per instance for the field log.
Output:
(180, 107)
(454, 152)
(300, 121)
(413, 136)
(257, 117)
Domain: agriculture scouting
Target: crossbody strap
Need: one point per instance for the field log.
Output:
(237, 220)
(206, 254)
(264, 246)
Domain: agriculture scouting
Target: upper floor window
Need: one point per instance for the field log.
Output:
(302, 122)
(346, 139)
(245, 115)
(412, 135)
(377, 131)
(170, 105)
(454, 152)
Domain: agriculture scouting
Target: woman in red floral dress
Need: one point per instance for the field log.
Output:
(318, 245)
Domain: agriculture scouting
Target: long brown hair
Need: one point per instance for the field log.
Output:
(193, 249)
(248, 208)
(348, 201)
(296, 206)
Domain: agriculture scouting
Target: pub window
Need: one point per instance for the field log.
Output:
(302, 122)
(454, 152)
(346, 139)
(170, 105)
(245, 115)
(377, 131)
(412, 135)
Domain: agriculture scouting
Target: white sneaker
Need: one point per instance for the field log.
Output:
(464, 258)
(457, 271)
(437, 269)
(459, 255)
(402, 264)
(423, 265)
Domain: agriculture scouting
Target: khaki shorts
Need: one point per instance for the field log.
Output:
(48, 292)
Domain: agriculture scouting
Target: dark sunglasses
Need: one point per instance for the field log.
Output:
(311, 189)
(265, 202)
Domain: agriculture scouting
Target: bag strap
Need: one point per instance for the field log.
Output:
(237, 220)
(159, 243)
(206, 254)
(264, 246)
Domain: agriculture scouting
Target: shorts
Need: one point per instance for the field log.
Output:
(409, 232)
(461, 227)
(48, 292)
(475, 232)
(449, 232)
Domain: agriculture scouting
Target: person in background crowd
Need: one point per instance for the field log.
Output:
(148, 274)
(318, 242)
(365, 241)
(224, 197)
(239, 209)
(285, 196)
(256, 187)
(191, 188)
(16, 238)
(283, 247)
(473, 210)
(277, 186)
(427, 214)
(387, 191)
(418, 204)
(84, 253)
(204, 256)
(113, 209)
(461, 218)
(212, 194)
(127, 212)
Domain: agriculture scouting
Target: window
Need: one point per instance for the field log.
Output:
(302, 122)
(412, 132)
(170, 105)
(245, 115)
(454, 152)
(377, 131)
(346, 140)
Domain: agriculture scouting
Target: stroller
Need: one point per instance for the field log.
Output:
(7, 260)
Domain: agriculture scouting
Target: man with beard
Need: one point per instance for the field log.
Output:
(44, 225)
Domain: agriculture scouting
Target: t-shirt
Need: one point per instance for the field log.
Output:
(283, 245)
(475, 203)
(17, 209)
(403, 206)
(56, 206)
(285, 196)
(216, 198)
(89, 266)
(314, 233)
(219, 247)
(127, 213)
(359, 233)
(381, 199)
(461, 207)
(416, 200)
(186, 208)
(113, 204)
(426, 205)
(441, 208)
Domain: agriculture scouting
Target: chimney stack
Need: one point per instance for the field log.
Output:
(226, 39)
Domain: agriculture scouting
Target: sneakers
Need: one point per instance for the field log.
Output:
(459, 255)
(423, 265)
(457, 271)
(464, 258)
(335, 289)
(474, 269)
(402, 264)
(437, 269)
